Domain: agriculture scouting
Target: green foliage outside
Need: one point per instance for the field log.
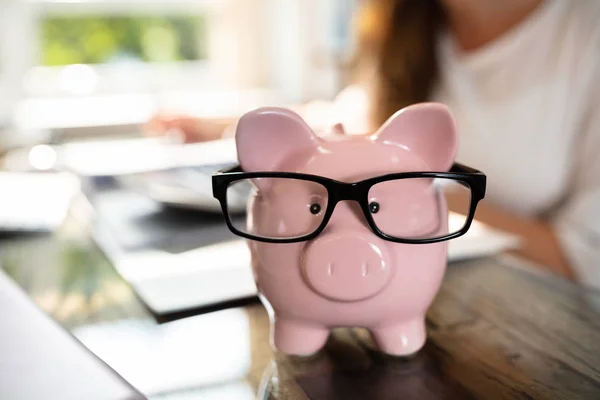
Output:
(105, 39)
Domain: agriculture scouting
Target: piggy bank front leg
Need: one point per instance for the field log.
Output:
(401, 339)
(298, 338)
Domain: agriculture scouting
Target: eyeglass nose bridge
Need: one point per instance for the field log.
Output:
(351, 193)
(348, 191)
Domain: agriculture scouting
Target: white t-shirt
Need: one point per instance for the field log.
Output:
(528, 110)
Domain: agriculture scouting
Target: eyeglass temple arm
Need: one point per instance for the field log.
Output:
(478, 190)
(461, 168)
(228, 170)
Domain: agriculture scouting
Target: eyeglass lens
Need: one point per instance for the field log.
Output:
(415, 209)
(283, 207)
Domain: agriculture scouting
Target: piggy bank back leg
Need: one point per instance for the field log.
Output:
(298, 338)
(401, 339)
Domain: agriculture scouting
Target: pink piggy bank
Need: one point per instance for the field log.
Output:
(348, 231)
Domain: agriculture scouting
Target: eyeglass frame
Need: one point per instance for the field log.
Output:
(338, 191)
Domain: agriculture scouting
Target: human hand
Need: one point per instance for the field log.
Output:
(186, 128)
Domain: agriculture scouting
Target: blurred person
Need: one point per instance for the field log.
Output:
(522, 78)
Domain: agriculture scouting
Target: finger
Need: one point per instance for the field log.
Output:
(155, 125)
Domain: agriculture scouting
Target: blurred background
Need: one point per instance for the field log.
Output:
(78, 79)
(70, 68)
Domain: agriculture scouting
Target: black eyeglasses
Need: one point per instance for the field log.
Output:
(405, 207)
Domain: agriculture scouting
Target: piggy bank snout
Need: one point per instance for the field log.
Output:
(346, 266)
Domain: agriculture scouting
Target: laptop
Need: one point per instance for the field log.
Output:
(40, 360)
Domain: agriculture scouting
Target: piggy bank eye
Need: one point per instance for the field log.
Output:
(315, 208)
(374, 207)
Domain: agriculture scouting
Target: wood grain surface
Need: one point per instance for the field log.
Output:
(496, 330)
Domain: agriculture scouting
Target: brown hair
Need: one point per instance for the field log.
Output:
(396, 49)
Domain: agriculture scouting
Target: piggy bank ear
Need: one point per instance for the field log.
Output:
(427, 129)
(268, 135)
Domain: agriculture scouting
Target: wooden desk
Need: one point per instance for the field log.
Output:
(495, 331)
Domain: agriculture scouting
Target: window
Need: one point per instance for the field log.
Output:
(110, 47)
(67, 40)
(110, 62)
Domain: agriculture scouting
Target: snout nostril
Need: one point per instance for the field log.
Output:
(364, 269)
